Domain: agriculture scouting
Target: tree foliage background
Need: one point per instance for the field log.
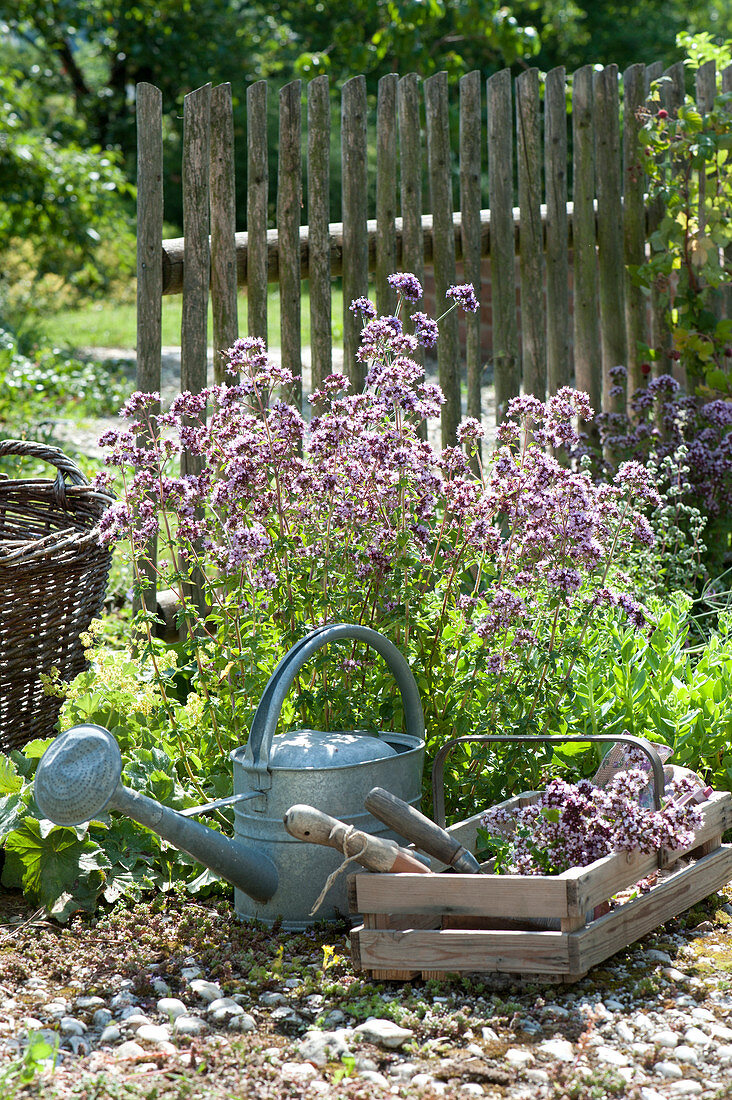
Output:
(68, 70)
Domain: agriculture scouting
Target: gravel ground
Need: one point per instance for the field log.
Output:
(178, 999)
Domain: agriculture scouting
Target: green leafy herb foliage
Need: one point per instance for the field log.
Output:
(503, 582)
(686, 154)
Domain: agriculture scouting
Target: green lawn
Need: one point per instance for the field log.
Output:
(99, 324)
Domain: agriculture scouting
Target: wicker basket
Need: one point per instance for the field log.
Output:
(53, 576)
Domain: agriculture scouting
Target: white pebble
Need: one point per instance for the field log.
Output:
(612, 1056)
(152, 1033)
(668, 1070)
(686, 1088)
(298, 1071)
(190, 1025)
(71, 1026)
(696, 1037)
(111, 1034)
(384, 1033)
(225, 1005)
(423, 1081)
(489, 1035)
(130, 1049)
(472, 1088)
(161, 987)
(102, 1017)
(724, 1053)
(171, 1007)
(189, 973)
(719, 1031)
(559, 1049)
(666, 1039)
(373, 1077)
(651, 1094)
(89, 1002)
(684, 1053)
(135, 1020)
(516, 1056)
(243, 1023)
(673, 974)
(538, 1076)
(207, 991)
(624, 1032)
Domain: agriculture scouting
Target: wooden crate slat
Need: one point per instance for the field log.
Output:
(590, 886)
(496, 895)
(634, 919)
(450, 951)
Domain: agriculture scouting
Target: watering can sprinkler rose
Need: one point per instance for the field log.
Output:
(78, 778)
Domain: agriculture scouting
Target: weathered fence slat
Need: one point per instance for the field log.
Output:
(506, 369)
(149, 235)
(587, 349)
(531, 257)
(634, 222)
(257, 199)
(223, 227)
(470, 203)
(149, 270)
(196, 275)
(410, 175)
(440, 177)
(354, 182)
(411, 242)
(659, 336)
(558, 367)
(609, 228)
(386, 189)
(196, 272)
(319, 232)
(289, 203)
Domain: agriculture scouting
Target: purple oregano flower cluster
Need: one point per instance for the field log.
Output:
(574, 824)
(662, 421)
(356, 518)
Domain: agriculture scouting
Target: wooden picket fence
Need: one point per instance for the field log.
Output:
(577, 316)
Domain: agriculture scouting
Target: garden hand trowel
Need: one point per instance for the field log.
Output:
(422, 832)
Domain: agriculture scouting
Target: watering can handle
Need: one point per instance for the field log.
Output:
(267, 716)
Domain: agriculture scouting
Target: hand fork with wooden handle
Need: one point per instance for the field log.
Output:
(373, 852)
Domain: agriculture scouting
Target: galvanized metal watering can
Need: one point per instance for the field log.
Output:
(275, 876)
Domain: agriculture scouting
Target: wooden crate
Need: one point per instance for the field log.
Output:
(430, 925)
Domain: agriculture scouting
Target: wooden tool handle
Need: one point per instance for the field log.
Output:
(417, 828)
(374, 852)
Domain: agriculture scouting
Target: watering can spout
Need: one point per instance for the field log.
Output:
(78, 779)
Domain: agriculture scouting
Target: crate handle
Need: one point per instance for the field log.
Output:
(438, 768)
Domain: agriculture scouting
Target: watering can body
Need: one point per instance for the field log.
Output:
(333, 771)
(274, 875)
